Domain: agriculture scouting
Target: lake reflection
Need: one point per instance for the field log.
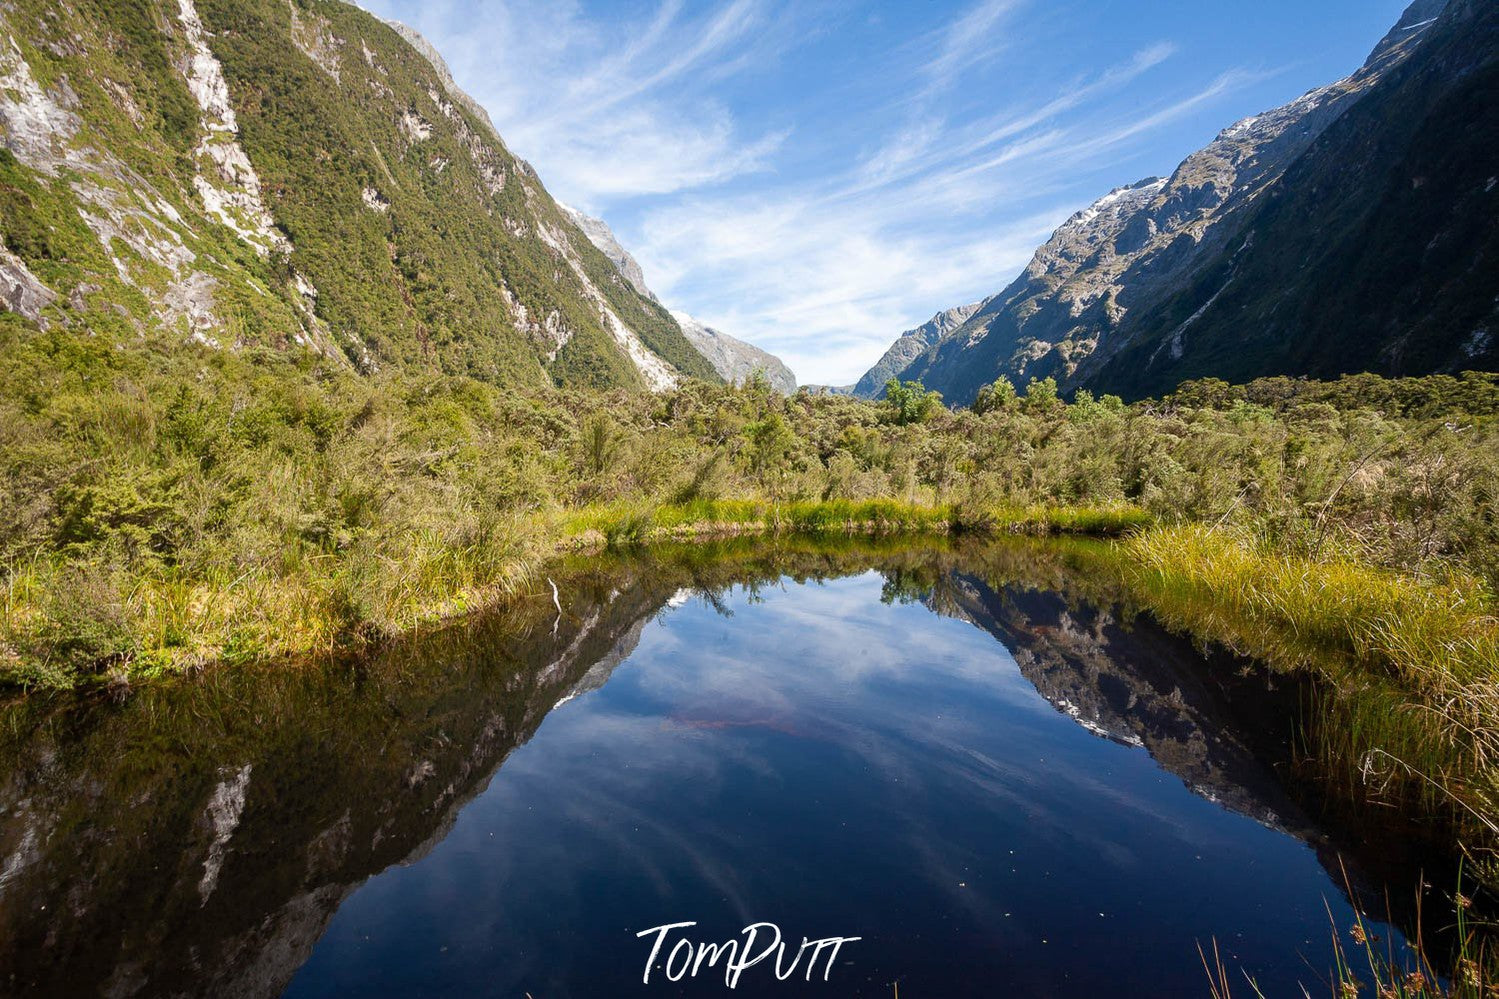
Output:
(990, 779)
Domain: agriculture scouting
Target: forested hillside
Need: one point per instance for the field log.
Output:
(1352, 229)
(297, 176)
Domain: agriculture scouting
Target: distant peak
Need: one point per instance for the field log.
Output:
(1418, 17)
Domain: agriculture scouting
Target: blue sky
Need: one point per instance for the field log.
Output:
(816, 176)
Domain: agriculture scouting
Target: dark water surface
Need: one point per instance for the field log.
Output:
(971, 762)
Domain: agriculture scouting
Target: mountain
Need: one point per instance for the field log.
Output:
(601, 236)
(911, 345)
(298, 176)
(1377, 250)
(1354, 218)
(733, 359)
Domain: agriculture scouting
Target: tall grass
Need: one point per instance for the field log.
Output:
(1411, 706)
(62, 624)
(1364, 964)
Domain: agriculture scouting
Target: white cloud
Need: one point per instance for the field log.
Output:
(605, 112)
(840, 216)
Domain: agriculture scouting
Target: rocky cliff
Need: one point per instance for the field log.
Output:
(1143, 265)
(601, 236)
(1377, 250)
(911, 345)
(732, 358)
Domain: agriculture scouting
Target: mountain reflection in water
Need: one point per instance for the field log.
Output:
(200, 837)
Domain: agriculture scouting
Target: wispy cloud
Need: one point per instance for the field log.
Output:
(610, 110)
(812, 201)
(967, 39)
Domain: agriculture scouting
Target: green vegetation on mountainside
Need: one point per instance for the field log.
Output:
(425, 245)
(1376, 251)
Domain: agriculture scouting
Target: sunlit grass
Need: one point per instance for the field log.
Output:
(1411, 703)
(60, 626)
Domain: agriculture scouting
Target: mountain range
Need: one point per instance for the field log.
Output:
(301, 177)
(733, 359)
(1353, 229)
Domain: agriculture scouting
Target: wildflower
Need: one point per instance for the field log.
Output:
(1415, 982)
(1358, 934)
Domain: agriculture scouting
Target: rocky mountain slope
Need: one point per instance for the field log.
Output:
(911, 345)
(1377, 250)
(733, 359)
(601, 236)
(297, 176)
(1138, 267)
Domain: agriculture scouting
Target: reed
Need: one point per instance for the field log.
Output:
(1364, 963)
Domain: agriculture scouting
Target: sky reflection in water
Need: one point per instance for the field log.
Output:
(838, 766)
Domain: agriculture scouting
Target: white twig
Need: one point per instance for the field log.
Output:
(558, 601)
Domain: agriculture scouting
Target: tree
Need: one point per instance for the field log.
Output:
(998, 394)
(771, 442)
(910, 402)
(1041, 395)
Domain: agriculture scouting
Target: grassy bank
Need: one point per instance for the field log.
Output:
(102, 626)
(1410, 707)
(166, 505)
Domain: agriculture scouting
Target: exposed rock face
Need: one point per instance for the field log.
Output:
(228, 184)
(599, 233)
(445, 77)
(733, 359)
(367, 210)
(20, 291)
(736, 360)
(911, 345)
(1111, 269)
(1377, 250)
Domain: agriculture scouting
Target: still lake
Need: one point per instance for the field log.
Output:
(998, 781)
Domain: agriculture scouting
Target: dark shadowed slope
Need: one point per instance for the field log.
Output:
(1133, 269)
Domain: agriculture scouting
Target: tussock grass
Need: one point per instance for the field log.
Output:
(1411, 707)
(1364, 964)
(61, 625)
